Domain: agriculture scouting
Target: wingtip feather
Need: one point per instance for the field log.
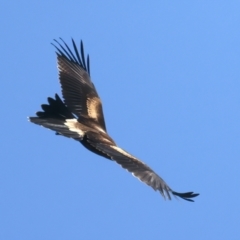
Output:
(186, 196)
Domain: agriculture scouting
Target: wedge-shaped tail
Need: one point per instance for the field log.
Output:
(56, 116)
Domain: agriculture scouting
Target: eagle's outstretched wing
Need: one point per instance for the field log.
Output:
(140, 170)
(78, 91)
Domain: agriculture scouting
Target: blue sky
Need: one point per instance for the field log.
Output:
(168, 74)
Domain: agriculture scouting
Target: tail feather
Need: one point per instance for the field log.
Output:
(55, 116)
(55, 109)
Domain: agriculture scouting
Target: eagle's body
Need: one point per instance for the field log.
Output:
(80, 116)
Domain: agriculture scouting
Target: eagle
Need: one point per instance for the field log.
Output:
(80, 116)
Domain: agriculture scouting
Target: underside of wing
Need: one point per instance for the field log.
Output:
(141, 171)
(78, 91)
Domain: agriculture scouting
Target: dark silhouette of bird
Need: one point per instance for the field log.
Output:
(80, 116)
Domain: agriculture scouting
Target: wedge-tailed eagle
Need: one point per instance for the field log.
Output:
(80, 116)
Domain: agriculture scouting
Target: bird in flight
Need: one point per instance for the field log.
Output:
(80, 116)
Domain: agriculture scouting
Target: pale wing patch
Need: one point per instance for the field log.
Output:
(93, 106)
(100, 129)
(73, 126)
(123, 152)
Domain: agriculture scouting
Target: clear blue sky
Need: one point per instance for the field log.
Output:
(168, 73)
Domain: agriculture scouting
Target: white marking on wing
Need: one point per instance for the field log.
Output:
(100, 129)
(122, 151)
(72, 124)
(92, 106)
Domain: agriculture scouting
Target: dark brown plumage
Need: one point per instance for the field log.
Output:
(80, 116)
